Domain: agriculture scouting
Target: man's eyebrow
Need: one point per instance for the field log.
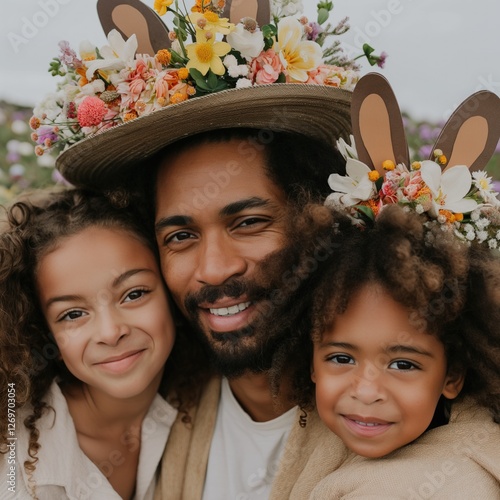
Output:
(172, 220)
(240, 205)
(408, 349)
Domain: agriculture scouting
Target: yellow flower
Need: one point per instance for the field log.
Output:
(210, 21)
(161, 6)
(183, 73)
(416, 165)
(373, 176)
(297, 56)
(388, 165)
(206, 54)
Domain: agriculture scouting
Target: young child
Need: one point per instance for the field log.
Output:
(405, 358)
(86, 329)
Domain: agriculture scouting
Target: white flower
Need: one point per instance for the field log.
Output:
(448, 189)
(354, 187)
(347, 150)
(482, 236)
(119, 54)
(249, 44)
(470, 235)
(497, 236)
(492, 244)
(482, 223)
(474, 216)
(50, 106)
(419, 209)
(483, 183)
(468, 228)
(243, 83)
(230, 61)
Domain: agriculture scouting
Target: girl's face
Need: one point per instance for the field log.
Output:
(104, 300)
(378, 378)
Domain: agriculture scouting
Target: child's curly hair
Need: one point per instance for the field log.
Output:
(29, 356)
(451, 289)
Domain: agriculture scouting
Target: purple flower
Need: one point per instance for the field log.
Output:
(381, 59)
(13, 157)
(68, 56)
(314, 32)
(45, 133)
(496, 186)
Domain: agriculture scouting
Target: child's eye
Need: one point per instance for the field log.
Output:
(401, 364)
(71, 315)
(136, 295)
(341, 359)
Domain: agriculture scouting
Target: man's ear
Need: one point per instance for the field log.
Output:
(453, 384)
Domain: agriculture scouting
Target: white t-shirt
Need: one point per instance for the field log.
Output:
(244, 455)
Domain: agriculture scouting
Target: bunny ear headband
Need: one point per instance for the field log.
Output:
(441, 187)
(215, 69)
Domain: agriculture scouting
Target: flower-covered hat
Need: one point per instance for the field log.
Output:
(116, 106)
(449, 190)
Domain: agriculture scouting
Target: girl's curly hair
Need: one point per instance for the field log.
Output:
(451, 289)
(29, 357)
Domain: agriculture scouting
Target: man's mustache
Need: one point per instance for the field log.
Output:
(233, 288)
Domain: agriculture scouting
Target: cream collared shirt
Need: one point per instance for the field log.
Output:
(64, 471)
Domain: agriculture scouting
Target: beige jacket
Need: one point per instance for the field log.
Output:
(64, 471)
(458, 461)
(310, 454)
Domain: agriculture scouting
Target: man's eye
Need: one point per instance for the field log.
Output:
(178, 237)
(250, 221)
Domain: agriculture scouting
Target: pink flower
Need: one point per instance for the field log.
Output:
(91, 111)
(266, 67)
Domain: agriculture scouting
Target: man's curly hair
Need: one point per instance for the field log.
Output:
(29, 358)
(451, 289)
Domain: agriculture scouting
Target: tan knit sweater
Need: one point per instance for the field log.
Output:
(458, 461)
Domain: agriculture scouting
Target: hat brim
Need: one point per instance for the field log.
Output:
(102, 160)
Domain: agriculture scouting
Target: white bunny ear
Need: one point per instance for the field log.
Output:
(471, 135)
(377, 124)
(131, 17)
(260, 10)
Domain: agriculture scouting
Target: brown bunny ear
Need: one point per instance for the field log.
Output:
(131, 17)
(260, 10)
(471, 134)
(377, 124)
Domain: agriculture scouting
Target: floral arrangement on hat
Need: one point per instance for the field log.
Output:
(105, 87)
(458, 200)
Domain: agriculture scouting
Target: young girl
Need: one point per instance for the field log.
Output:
(405, 358)
(86, 329)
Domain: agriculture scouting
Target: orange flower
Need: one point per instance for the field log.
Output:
(164, 56)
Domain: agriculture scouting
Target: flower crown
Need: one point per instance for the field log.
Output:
(102, 88)
(457, 200)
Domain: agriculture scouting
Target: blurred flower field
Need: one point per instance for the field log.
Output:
(21, 169)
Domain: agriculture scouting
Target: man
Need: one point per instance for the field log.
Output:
(220, 172)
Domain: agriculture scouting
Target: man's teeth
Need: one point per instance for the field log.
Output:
(228, 311)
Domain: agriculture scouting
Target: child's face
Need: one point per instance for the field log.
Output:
(104, 301)
(378, 379)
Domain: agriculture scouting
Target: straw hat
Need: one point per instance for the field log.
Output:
(117, 108)
(317, 111)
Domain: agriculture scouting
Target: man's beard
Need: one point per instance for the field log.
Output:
(250, 349)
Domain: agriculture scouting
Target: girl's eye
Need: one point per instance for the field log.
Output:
(403, 365)
(341, 359)
(136, 295)
(71, 315)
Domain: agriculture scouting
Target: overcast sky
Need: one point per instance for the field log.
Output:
(440, 51)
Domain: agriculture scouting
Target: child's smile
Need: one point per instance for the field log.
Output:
(378, 378)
